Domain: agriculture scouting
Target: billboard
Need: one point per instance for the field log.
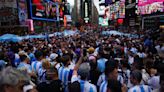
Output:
(22, 11)
(44, 10)
(103, 21)
(150, 6)
(145, 2)
(116, 10)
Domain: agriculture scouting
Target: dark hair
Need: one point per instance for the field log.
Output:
(23, 57)
(65, 59)
(160, 67)
(125, 64)
(110, 66)
(161, 78)
(38, 54)
(136, 74)
(114, 85)
(93, 65)
(74, 87)
(45, 51)
(138, 63)
(1, 55)
(51, 72)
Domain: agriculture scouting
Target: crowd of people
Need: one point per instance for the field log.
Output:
(86, 62)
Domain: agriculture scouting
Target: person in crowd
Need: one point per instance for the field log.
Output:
(25, 66)
(135, 78)
(114, 86)
(29, 51)
(53, 60)
(111, 72)
(94, 72)
(125, 72)
(13, 80)
(53, 83)
(91, 52)
(2, 65)
(83, 71)
(101, 62)
(36, 65)
(64, 72)
(161, 74)
(42, 71)
(74, 87)
(2, 62)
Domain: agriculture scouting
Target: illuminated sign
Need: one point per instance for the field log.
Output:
(150, 6)
(44, 10)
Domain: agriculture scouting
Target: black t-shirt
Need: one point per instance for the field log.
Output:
(94, 76)
(53, 86)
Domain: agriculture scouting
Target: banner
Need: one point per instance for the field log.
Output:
(22, 11)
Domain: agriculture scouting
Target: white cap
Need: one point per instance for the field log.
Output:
(53, 56)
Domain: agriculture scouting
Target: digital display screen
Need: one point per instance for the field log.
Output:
(103, 21)
(44, 10)
(116, 10)
(150, 6)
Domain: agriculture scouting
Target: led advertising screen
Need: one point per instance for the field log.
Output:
(44, 10)
(150, 6)
(103, 21)
(116, 10)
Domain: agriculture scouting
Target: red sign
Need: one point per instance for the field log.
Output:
(120, 21)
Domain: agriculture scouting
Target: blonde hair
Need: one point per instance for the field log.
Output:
(46, 64)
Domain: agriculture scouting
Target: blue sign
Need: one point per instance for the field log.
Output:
(44, 10)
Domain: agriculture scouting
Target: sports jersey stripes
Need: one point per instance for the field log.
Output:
(41, 75)
(87, 87)
(64, 74)
(103, 78)
(23, 66)
(140, 88)
(36, 66)
(103, 86)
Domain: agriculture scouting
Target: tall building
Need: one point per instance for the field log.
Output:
(131, 18)
(76, 13)
(86, 11)
(11, 17)
(95, 14)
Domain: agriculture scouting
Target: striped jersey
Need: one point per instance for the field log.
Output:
(140, 88)
(101, 64)
(36, 65)
(85, 86)
(102, 78)
(24, 67)
(65, 74)
(103, 86)
(41, 75)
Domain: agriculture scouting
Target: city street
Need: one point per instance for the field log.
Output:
(81, 45)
